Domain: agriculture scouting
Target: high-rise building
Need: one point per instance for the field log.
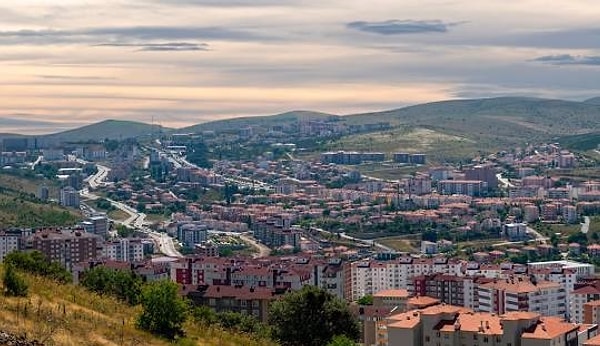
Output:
(69, 197)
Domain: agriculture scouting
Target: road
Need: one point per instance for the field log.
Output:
(538, 237)
(358, 240)
(263, 250)
(504, 181)
(136, 219)
(585, 226)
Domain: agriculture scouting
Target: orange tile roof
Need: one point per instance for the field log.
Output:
(516, 286)
(550, 328)
(595, 341)
(399, 293)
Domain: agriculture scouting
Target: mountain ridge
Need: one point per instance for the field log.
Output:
(509, 118)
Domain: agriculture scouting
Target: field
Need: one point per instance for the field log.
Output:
(69, 315)
(439, 146)
(21, 211)
(402, 244)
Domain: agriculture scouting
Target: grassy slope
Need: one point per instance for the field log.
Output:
(70, 315)
(260, 122)
(112, 129)
(19, 209)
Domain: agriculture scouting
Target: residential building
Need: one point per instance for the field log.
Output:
(9, 242)
(458, 326)
(522, 294)
(66, 246)
(123, 250)
(253, 301)
(192, 233)
(69, 197)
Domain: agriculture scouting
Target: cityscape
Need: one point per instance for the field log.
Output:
(299, 173)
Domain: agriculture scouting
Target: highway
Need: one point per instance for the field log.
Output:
(136, 219)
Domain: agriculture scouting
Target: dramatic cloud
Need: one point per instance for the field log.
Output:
(399, 27)
(568, 59)
(160, 47)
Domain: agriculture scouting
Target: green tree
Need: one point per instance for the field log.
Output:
(163, 310)
(124, 285)
(366, 300)
(14, 284)
(342, 340)
(311, 317)
(35, 262)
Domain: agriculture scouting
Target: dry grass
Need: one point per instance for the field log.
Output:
(400, 244)
(69, 315)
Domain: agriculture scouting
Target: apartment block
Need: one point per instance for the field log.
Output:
(66, 247)
(521, 294)
(458, 326)
(123, 250)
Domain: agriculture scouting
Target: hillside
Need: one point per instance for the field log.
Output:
(507, 119)
(588, 141)
(593, 101)
(257, 121)
(69, 315)
(111, 129)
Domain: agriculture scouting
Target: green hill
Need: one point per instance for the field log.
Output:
(111, 129)
(257, 121)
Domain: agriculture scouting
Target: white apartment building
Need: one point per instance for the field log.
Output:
(520, 294)
(124, 250)
(369, 277)
(582, 269)
(8, 243)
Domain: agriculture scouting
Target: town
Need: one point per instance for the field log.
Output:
(501, 248)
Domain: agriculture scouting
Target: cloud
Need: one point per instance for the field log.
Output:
(55, 77)
(126, 34)
(400, 27)
(161, 47)
(227, 3)
(568, 59)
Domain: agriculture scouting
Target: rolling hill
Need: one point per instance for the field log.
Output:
(111, 129)
(259, 121)
(494, 122)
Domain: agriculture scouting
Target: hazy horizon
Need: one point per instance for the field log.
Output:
(184, 62)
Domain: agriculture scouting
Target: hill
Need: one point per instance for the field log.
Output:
(508, 118)
(588, 141)
(257, 121)
(111, 129)
(593, 101)
(58, 314)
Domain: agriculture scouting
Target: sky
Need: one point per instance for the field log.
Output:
(67, 63)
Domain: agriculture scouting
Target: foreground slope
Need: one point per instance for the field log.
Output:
(69, 315)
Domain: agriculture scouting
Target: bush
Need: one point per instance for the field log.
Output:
(311, 317)
(34, 262)
(14, 284)
(163, 310)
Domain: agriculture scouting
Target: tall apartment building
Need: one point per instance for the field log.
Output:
(69, 197)
(520, 294)
(485, 173)
(66, 247)
(192, 233)
(369, 277)
(274, 235)
(461, 187)
(449, 325)
(9, 242)
(123, 250)
(97, 224)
